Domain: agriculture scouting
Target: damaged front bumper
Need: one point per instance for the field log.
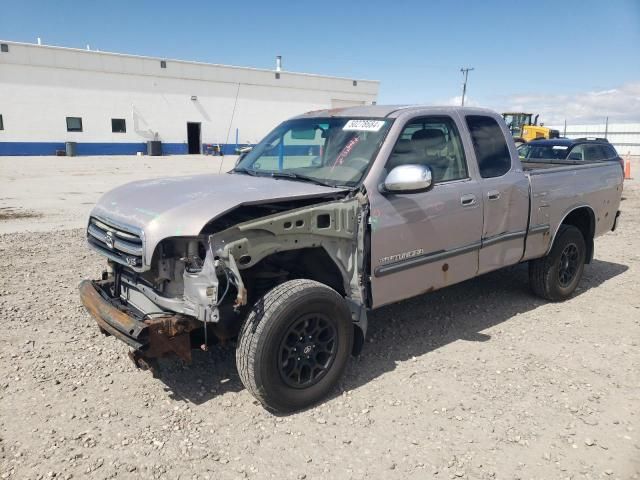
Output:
(151, 338)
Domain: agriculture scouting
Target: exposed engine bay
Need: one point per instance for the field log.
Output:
(206, 284)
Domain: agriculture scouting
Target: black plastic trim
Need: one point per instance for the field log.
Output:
(423, 259)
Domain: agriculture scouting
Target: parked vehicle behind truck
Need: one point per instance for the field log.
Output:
(335, 213)
(576, 150)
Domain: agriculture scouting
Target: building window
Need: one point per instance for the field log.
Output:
(277, 75)
(74, 124)
(1, 123)
(118, 125)
(355, 83)
(163, 64)
(4, 47)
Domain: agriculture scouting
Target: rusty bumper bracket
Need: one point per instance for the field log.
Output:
(152, 338)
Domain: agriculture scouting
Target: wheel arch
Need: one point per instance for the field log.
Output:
(315, 263)
(584, 219)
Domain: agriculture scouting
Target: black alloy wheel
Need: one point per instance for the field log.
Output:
(308, 350)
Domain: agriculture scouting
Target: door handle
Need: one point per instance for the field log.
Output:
(493, 195)
(468, 200)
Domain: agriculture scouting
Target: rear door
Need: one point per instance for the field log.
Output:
(505, 194)
(427, 240)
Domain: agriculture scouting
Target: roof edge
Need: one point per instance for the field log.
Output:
(189, 62)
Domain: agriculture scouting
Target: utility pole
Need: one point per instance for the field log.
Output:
(465, 72)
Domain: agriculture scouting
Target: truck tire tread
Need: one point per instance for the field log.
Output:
(253, 329)
(541, 270)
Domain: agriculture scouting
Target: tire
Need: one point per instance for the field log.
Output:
(275, 333)
(551, 277)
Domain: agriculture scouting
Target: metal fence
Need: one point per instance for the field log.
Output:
(625, 137)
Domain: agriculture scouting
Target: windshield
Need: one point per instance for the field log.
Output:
(332, 151)
(535, 152)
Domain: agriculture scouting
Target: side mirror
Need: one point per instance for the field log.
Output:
(408, 179)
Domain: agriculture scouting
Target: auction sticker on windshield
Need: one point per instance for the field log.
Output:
(363, 125)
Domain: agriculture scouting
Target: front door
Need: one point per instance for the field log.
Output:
(193, 137)
(424, 241)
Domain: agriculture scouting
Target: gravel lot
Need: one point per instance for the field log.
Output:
(49, 193)
(478, 381)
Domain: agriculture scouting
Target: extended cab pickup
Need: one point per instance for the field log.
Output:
(335, 213)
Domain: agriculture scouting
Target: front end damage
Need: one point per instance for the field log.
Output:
(196, 291)
(151, 338)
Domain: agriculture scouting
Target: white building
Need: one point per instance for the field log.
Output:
(113, 103)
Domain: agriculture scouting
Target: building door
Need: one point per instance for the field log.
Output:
(193, 137)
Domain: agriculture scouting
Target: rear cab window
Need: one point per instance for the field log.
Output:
(490, 146)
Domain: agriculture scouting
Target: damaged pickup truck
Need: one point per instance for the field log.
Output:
(333, 214)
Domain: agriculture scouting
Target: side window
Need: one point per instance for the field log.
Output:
(607, 152)
(524, 151)
(611, 151)
(593, 152)
(490, 146)
(432, 141)
(576, 153)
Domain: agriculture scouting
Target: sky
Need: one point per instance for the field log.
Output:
(573, 60)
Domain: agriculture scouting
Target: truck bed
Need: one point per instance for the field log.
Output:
(560, 186)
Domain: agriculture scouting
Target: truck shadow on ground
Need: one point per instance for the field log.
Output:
(397, 332)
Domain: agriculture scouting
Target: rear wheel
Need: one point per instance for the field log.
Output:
(294, 345)
(556, 276)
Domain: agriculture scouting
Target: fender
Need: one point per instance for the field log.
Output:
(336, 226)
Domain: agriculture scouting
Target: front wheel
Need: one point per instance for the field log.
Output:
(556, 276)
(294, 345)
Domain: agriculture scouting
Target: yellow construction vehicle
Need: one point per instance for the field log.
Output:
(524, 129)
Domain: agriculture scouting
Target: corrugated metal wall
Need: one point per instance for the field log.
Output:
(624, 136)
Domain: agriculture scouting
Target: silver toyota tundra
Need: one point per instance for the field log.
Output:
(335, 213)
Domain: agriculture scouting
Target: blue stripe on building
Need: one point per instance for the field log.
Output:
(88, 148)
(93, 148)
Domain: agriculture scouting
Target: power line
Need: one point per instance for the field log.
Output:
(465, 72)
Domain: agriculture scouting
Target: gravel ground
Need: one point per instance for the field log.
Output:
(50, 193)
(478, 381)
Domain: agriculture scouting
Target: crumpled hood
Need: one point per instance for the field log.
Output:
(182, 206)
